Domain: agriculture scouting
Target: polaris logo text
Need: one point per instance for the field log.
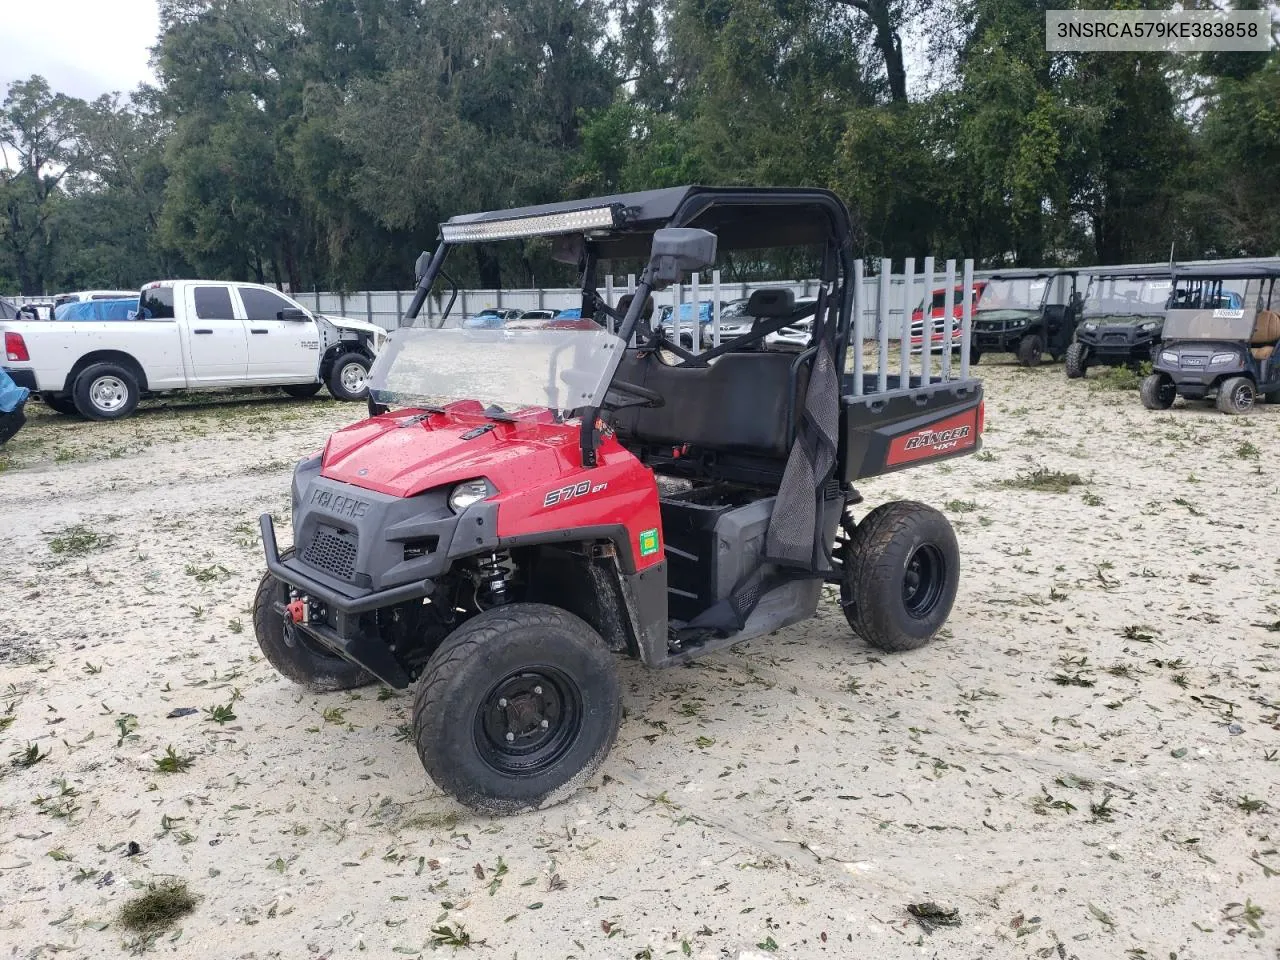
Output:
(339, 505)
(564, 494)
(944, 440)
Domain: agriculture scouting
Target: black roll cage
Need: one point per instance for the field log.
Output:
(833, 319)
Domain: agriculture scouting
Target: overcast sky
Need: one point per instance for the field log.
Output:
(84, 48)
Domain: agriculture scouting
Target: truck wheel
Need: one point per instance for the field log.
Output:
(1237, 395)
(1030, 350)
(105, 391)
(517, 708)
(306, 662)
(975, 356)
(1077, 360)
(303, 390)
(349, 378)
(901, 573)
(1157, 392)
(64, 405)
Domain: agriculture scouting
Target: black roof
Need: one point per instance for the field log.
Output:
(1025, 273)
(1129, 271)
(1228, 271)
(742, 217)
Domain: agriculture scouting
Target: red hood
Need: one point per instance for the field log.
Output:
(405, 453)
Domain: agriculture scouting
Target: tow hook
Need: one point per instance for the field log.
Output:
(297, 610)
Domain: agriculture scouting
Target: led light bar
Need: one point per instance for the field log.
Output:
(574, 221)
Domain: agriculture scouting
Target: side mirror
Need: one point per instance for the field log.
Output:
(292, 313)
(680, 249)
(420, 265)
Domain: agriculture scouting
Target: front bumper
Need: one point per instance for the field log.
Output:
(998, 336)
(340, 599)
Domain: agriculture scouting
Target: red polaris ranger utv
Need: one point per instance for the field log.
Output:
(522, 505)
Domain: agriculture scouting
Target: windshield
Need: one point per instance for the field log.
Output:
(1221, 323)
(1020, 294)
(1123, 296)
(561, 369)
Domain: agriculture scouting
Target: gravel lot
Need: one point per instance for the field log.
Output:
(1084, 765)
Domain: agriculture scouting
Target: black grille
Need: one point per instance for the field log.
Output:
(333, 551)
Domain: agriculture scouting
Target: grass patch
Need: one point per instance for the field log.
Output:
(173, 762)
(158, 908)
(1119, 378)
(77, 541)
(1044, 480)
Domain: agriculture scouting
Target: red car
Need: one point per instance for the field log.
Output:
(937, 314)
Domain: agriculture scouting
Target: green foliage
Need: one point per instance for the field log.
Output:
(320, 144)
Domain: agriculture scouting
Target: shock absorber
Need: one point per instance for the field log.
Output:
(495, 578)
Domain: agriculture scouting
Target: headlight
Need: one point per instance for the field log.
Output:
(467, 493)
(1168, 356)
(1149, 325)
(1223, 358)
(1090, 326)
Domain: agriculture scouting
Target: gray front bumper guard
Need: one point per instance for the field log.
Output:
(341, 602)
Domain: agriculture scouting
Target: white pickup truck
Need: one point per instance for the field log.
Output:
(190, 335)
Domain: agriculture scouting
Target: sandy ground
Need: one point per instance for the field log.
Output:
(1084, 765)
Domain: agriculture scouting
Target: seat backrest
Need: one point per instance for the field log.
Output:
(1266, 329)
(771, 302)
(741, 403)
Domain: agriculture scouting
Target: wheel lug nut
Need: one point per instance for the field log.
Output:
(545, 724)
(502, 702)
(510, 737)
(537, 691)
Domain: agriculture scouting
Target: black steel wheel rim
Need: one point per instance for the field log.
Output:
(924, 580)
(1243, 396)
(528, 720)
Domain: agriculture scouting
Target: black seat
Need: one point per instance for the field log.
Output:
(741, 403)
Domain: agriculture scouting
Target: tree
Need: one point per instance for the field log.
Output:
(37, 137)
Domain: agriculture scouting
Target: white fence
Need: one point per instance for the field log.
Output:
(386, 307)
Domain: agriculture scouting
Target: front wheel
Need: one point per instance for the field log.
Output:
(1030, 350)
(294, 655)
(975, 356)
(1076, 361)
(1157, 392)
(517, 708)
(901, 574)
(106, 391)
(1237, 395)
(349, 378)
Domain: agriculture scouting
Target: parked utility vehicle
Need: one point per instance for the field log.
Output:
(1211, 351)
(190, 334)
(523, 504)
(1121, 318)
(1027, 313)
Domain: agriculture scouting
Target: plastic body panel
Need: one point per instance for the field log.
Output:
(542, 492)
(881, 433)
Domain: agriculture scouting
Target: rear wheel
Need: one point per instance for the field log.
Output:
(901, 574)
(517, 708)
(349, 377)
(1237, 395)
(297, 657)
(1077, 359)
(64, 405)
(1030, 350)
(106, 391)
(1157, 392)
(302, 390)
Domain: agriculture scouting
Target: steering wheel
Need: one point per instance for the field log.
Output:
(643, 397)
